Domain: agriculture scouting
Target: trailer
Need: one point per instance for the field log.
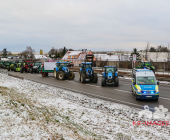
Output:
(47, 67)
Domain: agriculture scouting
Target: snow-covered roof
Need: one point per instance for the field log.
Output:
(41, 57)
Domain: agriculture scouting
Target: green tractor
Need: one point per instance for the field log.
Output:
(2, 64)
(11, 66)
(17, 67)
(146, 65)
(7, 64)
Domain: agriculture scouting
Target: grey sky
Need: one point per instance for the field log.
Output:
(92, 24)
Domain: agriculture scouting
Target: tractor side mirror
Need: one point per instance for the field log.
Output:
(157, 83)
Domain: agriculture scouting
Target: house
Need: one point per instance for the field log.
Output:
(77, 56)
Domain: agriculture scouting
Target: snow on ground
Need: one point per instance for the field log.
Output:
(30, 110)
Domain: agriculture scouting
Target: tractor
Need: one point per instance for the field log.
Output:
(11, 66)
(61, 71)
(25, 66)
(87, 72)
(110, 75)
(34, 67)
(7, 64)
(17, 67)
(2, 64)
(146, 65)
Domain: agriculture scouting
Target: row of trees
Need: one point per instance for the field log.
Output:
(159, 48)
(58, 53)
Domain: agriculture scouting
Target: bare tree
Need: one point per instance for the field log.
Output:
(28, 53)
(147, 50)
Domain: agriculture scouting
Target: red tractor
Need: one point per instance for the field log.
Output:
(25, 66)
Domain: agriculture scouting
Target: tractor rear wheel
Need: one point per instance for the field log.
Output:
(61, 76)
(117, 81)
(95, 78)
(83, 77)
(55, 74)
(103, 82)
(71, 75)
(21, 70)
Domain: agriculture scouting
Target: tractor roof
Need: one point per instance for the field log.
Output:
(86, 62)
(110, 66)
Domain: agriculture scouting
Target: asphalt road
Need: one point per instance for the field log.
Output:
(121, 94)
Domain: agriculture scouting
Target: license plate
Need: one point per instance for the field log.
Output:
(148, 96)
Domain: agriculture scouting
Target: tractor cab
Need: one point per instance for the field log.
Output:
(110, 75)
(63, 66)
(86, 67)
(146, 65)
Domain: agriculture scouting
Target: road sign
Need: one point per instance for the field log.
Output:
(134, 57)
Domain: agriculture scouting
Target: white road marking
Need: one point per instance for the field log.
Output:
(92, 85)
(123, 90)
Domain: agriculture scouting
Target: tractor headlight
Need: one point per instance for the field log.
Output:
(157, 90)
(139, 90)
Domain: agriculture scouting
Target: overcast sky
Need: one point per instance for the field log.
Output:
(93, 24)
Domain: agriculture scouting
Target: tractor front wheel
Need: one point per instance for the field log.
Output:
(61, 76)
(117, 81)
(14, 69)
(71, 75)
(30, 70)
(95, 78)
(83, 77)
(8, 68)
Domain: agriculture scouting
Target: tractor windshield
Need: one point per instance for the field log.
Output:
(88, 66)
(37, 64)
(63, 64)
(146, 81)
(112, 70)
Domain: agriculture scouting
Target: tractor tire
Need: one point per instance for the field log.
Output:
(21, 70)
(46, 74)
(117, 81)
(103, 82)
(30, 70)
(14, 68)
(8, 68)
(55, 74)
(37, 70)
(83, 78)
(79, 77)
(61, 75)
(71, 75)
(95, 79)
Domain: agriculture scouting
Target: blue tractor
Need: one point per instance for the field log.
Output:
(110, 75)
(61, 71)
(87, 72)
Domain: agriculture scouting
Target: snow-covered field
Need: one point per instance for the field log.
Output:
(30, 110)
